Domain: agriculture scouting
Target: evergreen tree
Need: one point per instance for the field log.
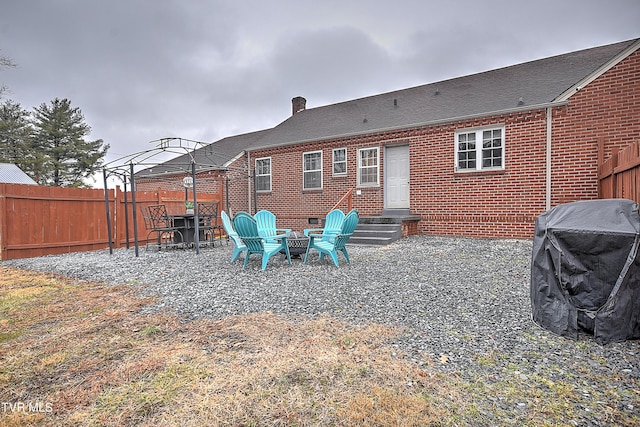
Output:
(64, 157)
(15, 136)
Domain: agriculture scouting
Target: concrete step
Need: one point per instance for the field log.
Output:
(380, 232)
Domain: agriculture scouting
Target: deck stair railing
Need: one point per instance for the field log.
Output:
(347, 198)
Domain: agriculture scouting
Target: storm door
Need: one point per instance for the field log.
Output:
(396, 183)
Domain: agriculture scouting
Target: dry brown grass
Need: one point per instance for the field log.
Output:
(84, 354)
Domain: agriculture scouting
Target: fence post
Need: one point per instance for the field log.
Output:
(133, 207)
(106, 206)
(3, 223)
(124, 209)
(614, 175)
(600, 167)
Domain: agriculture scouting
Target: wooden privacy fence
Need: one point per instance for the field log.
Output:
(38, 220)
(619, 176)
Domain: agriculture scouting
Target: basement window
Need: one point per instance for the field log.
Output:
(479, 150)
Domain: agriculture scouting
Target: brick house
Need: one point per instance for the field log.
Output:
(480, 155)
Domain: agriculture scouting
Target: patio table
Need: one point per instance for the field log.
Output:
(186, 223)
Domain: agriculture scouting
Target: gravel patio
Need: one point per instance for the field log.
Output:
(462, 303)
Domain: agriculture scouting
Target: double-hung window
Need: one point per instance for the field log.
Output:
(339, 161)
(368, 167)
(263, 174)
(312, 170)
(479, 150)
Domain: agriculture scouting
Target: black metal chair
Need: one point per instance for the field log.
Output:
(208, 221)
(157, 220)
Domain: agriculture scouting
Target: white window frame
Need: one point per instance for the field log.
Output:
(479, 150)
(314, 171)
(335, 162)
(362, 168)
(260, 174)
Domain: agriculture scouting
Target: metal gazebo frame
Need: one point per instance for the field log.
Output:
(123, 168)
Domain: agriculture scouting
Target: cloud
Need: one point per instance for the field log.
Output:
(206, 69)
(331, 64)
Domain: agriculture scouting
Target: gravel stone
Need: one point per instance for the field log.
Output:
(460, 302)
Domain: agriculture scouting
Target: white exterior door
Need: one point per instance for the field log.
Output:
(396, 166)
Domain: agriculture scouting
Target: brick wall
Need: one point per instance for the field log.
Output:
(238, 176)
(496, 204)
(295, 206)
(607, 108)
(484, 204)
(210, 182)
(502, 203)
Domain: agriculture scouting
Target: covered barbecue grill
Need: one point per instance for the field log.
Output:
(585, 270)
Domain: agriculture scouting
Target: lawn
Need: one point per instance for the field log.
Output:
(82, 353)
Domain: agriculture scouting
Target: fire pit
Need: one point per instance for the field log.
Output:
(297, 243)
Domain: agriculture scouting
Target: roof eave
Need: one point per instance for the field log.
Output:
(178, 172)
(234, 159)
(600, 71)
(417, 125)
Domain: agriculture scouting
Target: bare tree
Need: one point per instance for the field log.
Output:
(5, 62)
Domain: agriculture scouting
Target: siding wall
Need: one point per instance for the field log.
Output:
(483, 204)
(238, 187)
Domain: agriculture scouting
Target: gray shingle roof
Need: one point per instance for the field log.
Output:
(12, 174)
(516, 87)
(216, 155)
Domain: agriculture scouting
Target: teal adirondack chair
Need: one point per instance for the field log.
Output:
(231, 233)
(266, 222)
(336, 242)
(247, 228)
(332, 225)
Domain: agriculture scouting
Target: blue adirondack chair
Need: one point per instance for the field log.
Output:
(334, 243)
(231, 233)
(266, 222)
(332, 224)
(247, 228)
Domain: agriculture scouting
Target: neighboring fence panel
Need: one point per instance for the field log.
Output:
(39, 220)
(619, 176)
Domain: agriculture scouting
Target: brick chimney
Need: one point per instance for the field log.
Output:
(299, 104)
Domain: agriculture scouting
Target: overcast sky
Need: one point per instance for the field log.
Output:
(206, 69)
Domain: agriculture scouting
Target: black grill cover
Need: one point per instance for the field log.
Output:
(585, 270)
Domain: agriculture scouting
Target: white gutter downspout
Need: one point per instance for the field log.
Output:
(250, 180)
(548, 160)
